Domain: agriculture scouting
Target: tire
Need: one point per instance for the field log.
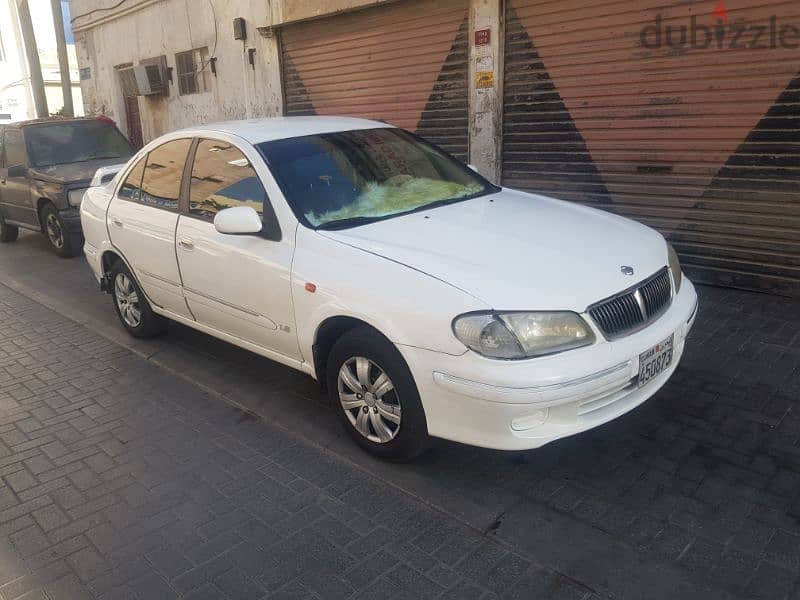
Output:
(65, 243)
(135, 315)
(375, 409)
(8, 233)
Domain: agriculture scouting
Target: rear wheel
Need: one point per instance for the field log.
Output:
(8, 233)
(132, 307)
(372, 389)
(65, 243)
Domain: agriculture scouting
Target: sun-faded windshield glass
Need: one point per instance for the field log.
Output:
(75, 141)
(344, 179)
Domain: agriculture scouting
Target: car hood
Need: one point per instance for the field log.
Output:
(518, 251)
(72, 172)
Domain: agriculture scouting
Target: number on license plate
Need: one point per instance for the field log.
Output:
(655, 361)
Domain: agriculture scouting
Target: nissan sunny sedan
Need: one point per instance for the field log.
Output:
(428, 301)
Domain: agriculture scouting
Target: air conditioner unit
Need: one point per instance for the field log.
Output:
(150, 80)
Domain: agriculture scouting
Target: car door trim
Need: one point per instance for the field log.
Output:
(160, 278)
(242, 309)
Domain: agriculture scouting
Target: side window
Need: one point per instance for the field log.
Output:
(161, 184)
(132, 187)
(222, 178)
(14, 148)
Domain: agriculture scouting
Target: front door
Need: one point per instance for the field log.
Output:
(238, 284)
(141, 222)
(15, 191)
(134, 120)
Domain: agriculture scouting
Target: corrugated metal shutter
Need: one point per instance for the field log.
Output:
(700, 143)
(405, 63)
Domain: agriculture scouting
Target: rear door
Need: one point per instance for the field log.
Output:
(238, 284)
(142, 218)
(15, 192)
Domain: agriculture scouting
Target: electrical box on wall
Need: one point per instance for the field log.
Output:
(239, 29)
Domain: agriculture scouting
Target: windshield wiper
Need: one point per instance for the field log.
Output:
(75, 162)
(349, 222)
(102, 157)
(446, 201)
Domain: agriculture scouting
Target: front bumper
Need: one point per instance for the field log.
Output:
(519, 405)
(71, 218)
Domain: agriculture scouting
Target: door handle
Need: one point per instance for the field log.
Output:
(116, 222)
(186, 243)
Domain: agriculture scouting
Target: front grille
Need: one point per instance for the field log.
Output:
(635, 308)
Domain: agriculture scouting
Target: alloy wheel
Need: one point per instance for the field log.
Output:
(54, 231)
(369, 400)
(127, 300)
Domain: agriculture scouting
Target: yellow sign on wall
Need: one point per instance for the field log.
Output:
(484, 79)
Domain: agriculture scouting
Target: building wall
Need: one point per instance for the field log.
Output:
(145, 29)
(238, 90)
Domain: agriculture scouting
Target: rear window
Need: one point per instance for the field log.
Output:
(75, 141)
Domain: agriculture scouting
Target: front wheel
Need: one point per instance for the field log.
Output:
(65, 243)
(132, 307)
(373, 391)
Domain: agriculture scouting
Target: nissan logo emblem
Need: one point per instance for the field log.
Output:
(626, 270)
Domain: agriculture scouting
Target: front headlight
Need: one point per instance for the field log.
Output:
(517, 335)
(675, 267)
(75, 197)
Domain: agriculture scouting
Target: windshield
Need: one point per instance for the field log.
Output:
(344, 179)
(75, 141)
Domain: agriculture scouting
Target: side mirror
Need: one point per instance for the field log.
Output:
(238, 220)
(474, 168)
(17, 171)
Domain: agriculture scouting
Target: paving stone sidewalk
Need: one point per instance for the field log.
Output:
(119, 480)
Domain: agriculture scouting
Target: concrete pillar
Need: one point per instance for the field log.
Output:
(63, 59)
(32, 52)
(486, 88)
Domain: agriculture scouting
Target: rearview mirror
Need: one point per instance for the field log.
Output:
(17, 171)
(238, 220)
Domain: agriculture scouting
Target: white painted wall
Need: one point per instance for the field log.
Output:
(166, 28)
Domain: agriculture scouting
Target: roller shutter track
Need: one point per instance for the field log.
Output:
(405, 63)
(702, 144)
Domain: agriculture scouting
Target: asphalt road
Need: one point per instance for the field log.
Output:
(694, 494)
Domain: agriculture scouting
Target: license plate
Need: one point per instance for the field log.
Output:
(655, 361)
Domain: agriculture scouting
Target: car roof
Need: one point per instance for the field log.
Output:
(257, 131)
(47, 120)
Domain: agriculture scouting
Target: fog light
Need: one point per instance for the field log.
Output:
(530, 421)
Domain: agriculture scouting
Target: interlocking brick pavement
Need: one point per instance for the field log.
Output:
(695, 494)
(706, 475)
(119, 480)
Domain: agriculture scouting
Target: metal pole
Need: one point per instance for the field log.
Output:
(63, 58)
(35, 67)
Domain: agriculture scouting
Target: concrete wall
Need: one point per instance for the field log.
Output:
(144, 29)
(486, 102)
(165, 28)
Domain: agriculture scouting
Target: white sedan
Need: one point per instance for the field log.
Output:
(428, 301)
